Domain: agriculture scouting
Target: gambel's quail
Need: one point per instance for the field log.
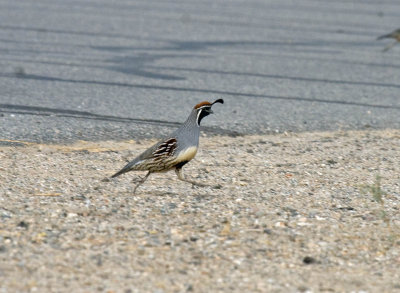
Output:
(174, 151)
(393, 35)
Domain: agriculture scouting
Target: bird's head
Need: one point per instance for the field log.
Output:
(203, 109)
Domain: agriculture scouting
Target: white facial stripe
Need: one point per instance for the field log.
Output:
(198, 116)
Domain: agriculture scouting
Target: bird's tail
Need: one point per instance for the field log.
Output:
(125, 169)
(385, 36)
(120, 172)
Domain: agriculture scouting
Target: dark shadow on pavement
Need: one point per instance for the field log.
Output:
(185, 89)
(276, 76)
(45, 111)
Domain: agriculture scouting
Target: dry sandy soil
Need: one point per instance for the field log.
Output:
(315, 212)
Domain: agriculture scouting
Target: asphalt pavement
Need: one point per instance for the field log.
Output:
(101, 70)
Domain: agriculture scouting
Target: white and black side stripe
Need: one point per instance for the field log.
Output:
(167, 148)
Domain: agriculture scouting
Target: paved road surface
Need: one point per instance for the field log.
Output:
(100, 69)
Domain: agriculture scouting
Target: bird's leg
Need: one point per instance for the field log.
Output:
(141, 181)
(389, 46)
(178, 172)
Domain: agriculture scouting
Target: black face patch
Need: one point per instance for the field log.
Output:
(203, 112)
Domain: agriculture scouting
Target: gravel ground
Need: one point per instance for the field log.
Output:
(308, 212)
(105, 70)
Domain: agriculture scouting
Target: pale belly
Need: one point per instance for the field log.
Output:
(168, 164)
(186, 155)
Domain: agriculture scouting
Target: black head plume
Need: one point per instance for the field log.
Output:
(218, 101)
(204, 109)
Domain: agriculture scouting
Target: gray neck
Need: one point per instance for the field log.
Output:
(189, 131)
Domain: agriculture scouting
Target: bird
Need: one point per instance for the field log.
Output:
(393, 35)
(174, 151)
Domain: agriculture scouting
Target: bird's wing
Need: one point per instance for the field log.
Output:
(158, 152)
(164, 149)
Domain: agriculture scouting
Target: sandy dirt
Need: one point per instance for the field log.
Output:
(310, 212)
